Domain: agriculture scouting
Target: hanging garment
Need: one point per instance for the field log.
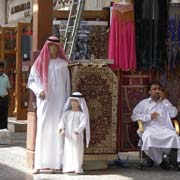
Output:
(173, 36)
(151, 26)
(98, 44)
(122, 38)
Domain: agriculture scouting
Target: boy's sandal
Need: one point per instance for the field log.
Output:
(36, 171)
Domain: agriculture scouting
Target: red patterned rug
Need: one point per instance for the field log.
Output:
(133, 88)
(100, 88)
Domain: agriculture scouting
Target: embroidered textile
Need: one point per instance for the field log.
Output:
(100, 89)
(122, 38)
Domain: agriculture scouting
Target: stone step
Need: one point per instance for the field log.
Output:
(17, 125)
(97, 161)
(95, 164)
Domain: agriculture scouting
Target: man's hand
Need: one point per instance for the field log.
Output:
(162, 95)
(42, 95)
(154, 116)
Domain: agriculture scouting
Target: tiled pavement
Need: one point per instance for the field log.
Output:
(12, 167)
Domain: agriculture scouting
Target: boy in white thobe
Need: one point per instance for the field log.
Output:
(73, 122)
(159, 134)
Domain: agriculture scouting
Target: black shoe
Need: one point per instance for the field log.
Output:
(165, 165)
(150, 162)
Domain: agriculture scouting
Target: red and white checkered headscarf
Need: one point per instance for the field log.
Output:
(42, 61)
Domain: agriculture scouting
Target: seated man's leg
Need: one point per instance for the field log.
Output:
(178, 155)
(156, 154)
(166, 151)
(150, 162)
(173, 157)
(178, 159)
(155, 138)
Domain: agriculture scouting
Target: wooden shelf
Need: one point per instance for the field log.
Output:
(87, 15)
(9, 51)
(8, 39)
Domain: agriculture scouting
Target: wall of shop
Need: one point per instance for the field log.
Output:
(96, 4)
(2, 12)
(21, 10)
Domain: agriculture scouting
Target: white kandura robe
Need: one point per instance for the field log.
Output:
(159, 135)
(74, 144)
(49, 144)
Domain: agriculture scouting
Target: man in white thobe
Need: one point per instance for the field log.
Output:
(49, 79)
(159, 134)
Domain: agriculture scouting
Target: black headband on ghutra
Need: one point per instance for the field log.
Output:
(53, 40)
(79, 96)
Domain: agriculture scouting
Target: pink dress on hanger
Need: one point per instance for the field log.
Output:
(122, 38)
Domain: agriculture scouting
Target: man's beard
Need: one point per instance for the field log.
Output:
(156, 97)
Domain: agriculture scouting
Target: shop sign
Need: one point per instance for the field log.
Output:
(18, 10)
(58, 4)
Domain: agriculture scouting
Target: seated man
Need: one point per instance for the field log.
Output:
(159, 134)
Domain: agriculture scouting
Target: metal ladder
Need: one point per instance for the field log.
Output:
(77, 6)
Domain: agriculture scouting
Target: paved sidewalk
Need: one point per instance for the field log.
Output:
(12, 167)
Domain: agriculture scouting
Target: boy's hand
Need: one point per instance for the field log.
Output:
(76, 132)
(61, 131)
